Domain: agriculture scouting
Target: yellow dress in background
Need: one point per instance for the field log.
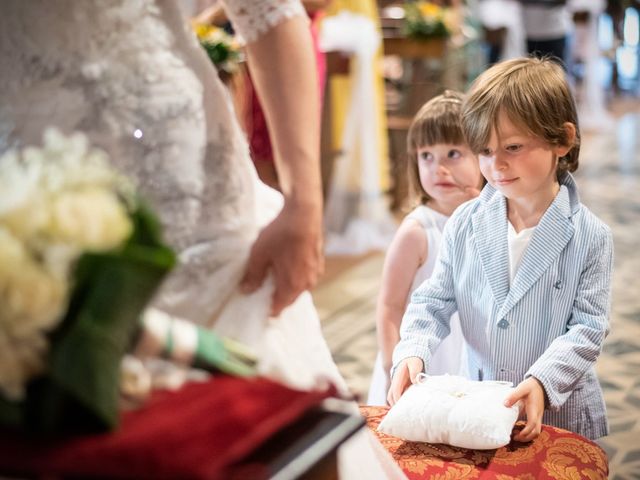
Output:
(340, 94)
(357, 215)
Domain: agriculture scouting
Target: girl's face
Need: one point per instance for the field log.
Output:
(445, 171)
(520, 166)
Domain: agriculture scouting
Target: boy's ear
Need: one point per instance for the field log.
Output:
(570, 140)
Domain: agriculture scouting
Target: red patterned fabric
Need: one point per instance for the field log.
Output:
(555, 454)
(197, 432)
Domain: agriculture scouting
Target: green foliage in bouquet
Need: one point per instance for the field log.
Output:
(111, 290)
(425, 20)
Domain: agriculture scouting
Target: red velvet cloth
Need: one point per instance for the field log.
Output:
(198, 432)
(555, 454)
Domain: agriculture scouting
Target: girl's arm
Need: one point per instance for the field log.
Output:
(425, 324)
(407, 252)
(426, 320)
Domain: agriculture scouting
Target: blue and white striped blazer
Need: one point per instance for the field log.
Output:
(550, 323)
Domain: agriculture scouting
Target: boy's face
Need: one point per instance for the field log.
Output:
(520, 165)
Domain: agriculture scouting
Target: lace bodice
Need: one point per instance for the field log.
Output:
(251, 19)
(129, 74)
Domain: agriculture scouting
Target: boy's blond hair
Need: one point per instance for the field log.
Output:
(534, 94)
(437, 121)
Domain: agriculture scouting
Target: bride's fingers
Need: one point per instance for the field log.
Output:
(256, 272)
(283, 295)
(291, 279)
(279, 302)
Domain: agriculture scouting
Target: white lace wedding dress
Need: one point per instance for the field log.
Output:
(131, 76)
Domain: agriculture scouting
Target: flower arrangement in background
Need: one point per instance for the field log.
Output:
(223, 50)
(426, 20)
(80, 256)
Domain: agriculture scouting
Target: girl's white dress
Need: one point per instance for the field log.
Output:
(131, 76)
(450, 355)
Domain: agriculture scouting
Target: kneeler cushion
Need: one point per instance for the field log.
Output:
(555, 454)
(196, 432)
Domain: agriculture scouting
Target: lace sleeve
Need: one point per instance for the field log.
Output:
(252, 18)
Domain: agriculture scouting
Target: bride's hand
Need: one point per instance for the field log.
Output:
(291, 246)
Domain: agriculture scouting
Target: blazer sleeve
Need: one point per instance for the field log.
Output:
(426, 320)
(561, 367)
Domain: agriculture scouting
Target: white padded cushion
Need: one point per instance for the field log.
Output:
(455, 411)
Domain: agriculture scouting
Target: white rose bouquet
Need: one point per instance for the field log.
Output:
(80, 256)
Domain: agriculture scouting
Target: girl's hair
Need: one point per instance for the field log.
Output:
(534, 94)
(438, 121)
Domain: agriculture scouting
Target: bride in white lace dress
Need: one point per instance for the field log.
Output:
(131, 76)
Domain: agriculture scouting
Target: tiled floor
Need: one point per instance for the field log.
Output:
(609, 182)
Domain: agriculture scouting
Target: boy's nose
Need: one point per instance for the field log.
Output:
(498, 161)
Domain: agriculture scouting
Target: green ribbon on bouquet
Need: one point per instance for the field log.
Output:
(193, 345)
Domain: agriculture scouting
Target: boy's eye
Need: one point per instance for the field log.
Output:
(485, 152)
(454, 154)
(513, 148)
(424, 156)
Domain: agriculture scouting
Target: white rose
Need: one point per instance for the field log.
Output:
(19, 362)
(55, 202)
(92, 219)
(27, 221)
(30, 297)
(31, 302)
(58, 258)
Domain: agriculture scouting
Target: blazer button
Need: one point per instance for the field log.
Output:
(503, 323)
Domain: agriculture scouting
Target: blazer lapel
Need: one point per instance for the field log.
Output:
(490, 236)
(549, 239)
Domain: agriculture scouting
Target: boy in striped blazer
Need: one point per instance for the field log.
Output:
(526, 265)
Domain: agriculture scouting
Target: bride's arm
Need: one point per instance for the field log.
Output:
(283, 68)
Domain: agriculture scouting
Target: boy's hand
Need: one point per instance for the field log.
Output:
(531, 392)
(404, 376)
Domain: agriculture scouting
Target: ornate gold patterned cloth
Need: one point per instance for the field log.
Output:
(555, 454)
